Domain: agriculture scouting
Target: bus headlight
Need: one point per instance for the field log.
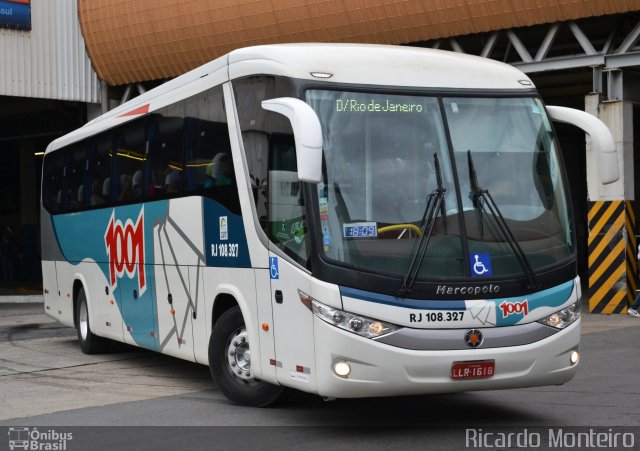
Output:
(562, 318)
(357, 324)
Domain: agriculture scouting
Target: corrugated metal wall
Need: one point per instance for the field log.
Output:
(50, 61)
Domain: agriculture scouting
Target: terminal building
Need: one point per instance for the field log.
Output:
(66, 61)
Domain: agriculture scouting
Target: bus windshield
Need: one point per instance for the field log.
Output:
(384, 154)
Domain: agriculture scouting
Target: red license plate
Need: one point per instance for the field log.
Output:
(479, 369)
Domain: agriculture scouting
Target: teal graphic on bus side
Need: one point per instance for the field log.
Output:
(120, 241)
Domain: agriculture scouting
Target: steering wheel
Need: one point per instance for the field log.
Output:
(393, 227)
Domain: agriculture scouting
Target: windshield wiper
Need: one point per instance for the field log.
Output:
(478, 196)
(435, 203)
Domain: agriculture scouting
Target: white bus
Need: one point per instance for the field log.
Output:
(346, 220)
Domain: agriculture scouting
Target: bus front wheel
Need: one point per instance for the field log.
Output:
(230, 363)
(89, 343)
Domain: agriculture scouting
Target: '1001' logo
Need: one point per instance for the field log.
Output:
(514, 308)
(125, 249)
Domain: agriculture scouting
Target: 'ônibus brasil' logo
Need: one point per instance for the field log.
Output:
(125, 249)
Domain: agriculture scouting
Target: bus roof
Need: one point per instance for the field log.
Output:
(371, 64)
(366, 64)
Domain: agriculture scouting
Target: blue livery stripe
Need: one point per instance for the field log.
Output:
(402, 302)
(551, 297)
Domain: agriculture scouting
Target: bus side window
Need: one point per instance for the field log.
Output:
(208, 143)
(74, 177)
(164, 164)
(129, 145)
(287, 226)
(99, 176)
(53, 180)
(209, 164)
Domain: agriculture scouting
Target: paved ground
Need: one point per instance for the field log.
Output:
(42, 371)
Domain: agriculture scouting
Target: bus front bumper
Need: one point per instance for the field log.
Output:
(378, 369)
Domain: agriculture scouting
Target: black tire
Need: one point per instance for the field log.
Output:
(244, 389)
(89, 343)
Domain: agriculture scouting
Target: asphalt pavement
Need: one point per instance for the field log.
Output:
(46, 382)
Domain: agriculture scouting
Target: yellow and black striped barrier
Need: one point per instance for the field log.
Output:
(632, 252)
(612, 256)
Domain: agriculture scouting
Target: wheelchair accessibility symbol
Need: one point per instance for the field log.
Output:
(480, 264)
(273, 268)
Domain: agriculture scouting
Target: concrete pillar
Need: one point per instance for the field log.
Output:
(612, 246)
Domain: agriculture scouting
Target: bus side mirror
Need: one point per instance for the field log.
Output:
(601, 139)
(307, 134)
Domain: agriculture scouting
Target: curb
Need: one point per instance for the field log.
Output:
(22, 299)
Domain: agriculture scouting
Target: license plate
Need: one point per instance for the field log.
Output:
(479, 369)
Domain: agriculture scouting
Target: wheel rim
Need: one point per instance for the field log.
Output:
(83, 320)
(239, 356)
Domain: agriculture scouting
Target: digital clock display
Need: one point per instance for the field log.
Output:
(360, 230)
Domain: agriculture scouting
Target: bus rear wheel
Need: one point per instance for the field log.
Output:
(230, 363)
(89, 343)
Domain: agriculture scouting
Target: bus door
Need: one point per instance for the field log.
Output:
(287, 229)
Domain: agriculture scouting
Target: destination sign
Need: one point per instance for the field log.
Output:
(373, 106)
